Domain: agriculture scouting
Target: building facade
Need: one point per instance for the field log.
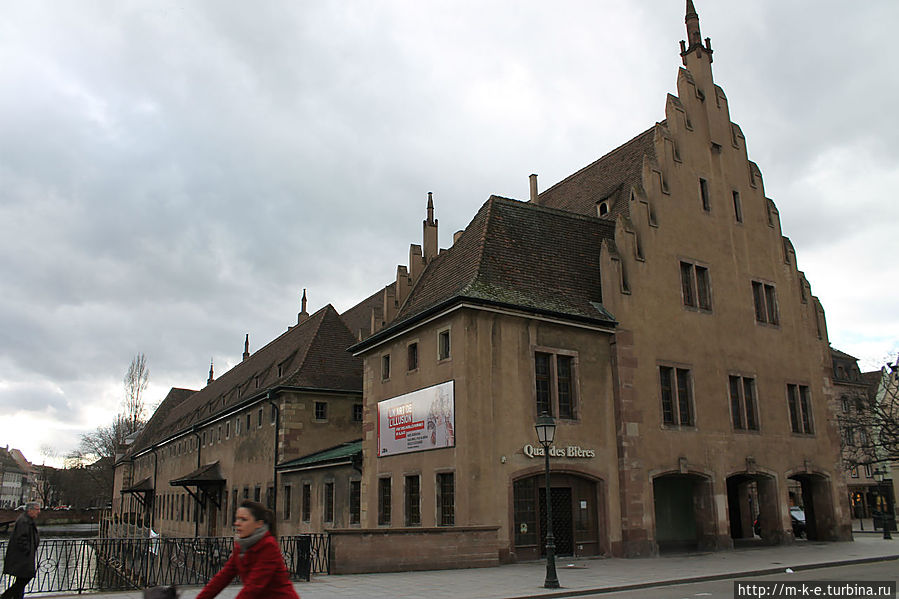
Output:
(649, 303)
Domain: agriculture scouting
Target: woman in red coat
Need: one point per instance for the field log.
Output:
(256, 558)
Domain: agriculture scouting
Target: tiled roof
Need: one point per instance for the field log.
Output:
(872, 380)
(311, 354)
(610, 178)
(358, 318)
(340, 453)
(842, 355)
(520, 255)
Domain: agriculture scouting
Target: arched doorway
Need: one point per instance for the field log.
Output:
(815, 500)
(575, 511)
(752, 507)
(684, 512)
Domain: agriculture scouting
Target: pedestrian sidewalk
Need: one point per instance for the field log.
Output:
(519, 581)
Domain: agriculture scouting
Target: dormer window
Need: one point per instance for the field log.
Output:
(602, 208)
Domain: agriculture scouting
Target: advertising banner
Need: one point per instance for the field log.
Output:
(418, 421)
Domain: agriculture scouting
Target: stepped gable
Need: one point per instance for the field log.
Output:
(610, 178)
(519, 255)
(311, 354)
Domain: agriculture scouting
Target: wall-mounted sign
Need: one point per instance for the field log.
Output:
(417, 421)
(571, 451)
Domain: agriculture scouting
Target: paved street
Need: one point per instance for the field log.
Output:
(580, 577)
(724, 589)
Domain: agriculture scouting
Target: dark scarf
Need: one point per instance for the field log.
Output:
(246, 542)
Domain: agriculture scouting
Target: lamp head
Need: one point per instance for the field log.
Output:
(546, 429)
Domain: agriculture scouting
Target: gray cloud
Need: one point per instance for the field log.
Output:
(174, 174)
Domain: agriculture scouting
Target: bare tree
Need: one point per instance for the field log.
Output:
(136, 380)
(870, 428)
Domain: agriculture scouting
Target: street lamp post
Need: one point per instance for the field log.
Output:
(879, 474)
(546, 432)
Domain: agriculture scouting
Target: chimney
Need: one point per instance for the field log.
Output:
(246, 347)
(211, 377)
(303, 315)
(533, 179)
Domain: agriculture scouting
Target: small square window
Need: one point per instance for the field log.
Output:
(321, 410)
(357, 412)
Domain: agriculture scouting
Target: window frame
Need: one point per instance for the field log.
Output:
(412, 357)
(748, 413)
(705, 195)
(554, 380)
(412, 500)
(385, 367)
(358, 412)
(306, 507)
(445, 510)
(324, 411)
(286, 494)
(764, 299)
(444, 350)
(384, 499)
(355, 502)
(696, 282)
(678, 405)
(799, 408)
(328, 502)
(738, 205)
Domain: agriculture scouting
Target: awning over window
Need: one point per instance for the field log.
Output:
(209, 475)
(144, 486)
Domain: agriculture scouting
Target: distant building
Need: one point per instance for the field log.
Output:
(11, 480)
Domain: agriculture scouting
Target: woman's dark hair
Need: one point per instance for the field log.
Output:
(260, 512)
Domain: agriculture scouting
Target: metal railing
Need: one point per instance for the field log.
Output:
(86, 565)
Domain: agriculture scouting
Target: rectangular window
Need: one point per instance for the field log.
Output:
(385, 367)
(555, 384)
(259, 418)
(854, 472)
(695, 286)
(307, 502)
(384, 501)
(738, 208)
(413, 500)
(800, 409)
(329, 502)
(287, 499)
(257, 494)
(704, 194)
(237, 426)
(868, 471)
(676, 392)
(443, 345)
(246, 492)
(228, 430)
(321, 410)
(765, 298)
(270, 497)
(274, 415)
(355, 501)
(357, 412)
(446, 501)
(248, 422)
(743, 403)
(412, 357)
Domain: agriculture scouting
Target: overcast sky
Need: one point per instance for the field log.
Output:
(173, 174)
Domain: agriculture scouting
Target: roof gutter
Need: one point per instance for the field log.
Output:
(457, 302)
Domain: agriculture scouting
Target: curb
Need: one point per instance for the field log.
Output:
(711, 577)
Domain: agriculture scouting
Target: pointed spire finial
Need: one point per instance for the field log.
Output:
(246, 347)
(430, 208)
(303, 315)
(694, 36)
(211, 376)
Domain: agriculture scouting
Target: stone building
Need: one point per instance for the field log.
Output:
(202, 452)
(649, 302)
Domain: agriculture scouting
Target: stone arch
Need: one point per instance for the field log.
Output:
(816, 500)
(684, 510)
(580, 512)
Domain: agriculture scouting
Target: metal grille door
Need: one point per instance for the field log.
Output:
(562, 520)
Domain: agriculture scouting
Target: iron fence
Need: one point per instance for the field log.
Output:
(86, 565)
